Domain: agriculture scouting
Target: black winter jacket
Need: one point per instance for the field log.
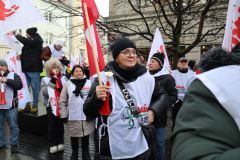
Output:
(31, 51)
(16, 84)
(168, 83)
(92, 105)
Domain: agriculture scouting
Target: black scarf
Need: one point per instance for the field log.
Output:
(183, 71)
(155, 71)
(127, 74)
(79, 85)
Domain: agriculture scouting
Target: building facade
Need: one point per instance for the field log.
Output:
(121, 12)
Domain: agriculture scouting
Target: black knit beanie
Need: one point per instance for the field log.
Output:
(121, 44)
(32, 31)
(159, 57)
(191, 64)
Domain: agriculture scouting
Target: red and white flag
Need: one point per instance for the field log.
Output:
(141, 58)
(54, 96)
(232, 29)
(93, 16)
(73, 62)
(16, 14)
(80, 58)
(15, 65)
(11, 41)
(158, 46)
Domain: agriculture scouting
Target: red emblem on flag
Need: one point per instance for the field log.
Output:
(4, 12)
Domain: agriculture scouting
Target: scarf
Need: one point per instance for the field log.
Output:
(183, 71)
(155, 71)
(79, 85)
(59, 75)
(128, 74)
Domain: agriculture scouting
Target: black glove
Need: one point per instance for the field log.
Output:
(53, 80)
(64, 120)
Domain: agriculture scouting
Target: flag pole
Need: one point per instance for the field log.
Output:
(93, 47)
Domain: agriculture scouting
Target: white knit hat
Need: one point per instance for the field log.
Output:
(59, 42)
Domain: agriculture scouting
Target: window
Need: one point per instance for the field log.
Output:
(82, 52)
(205, 48)
(145, 2)
(49, 38)
(63, 21)
(65, 42)
(81, 36)
(48, 16)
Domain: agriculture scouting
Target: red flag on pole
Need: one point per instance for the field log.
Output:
(232, 30)
(93, 16)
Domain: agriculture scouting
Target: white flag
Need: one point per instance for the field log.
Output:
(232, 29)
(11, 41)
(80, 58)
(15, 65)
(16, 14)
(72, 62)
(158, 46)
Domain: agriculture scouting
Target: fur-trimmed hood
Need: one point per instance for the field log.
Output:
(214, 58)
(52, 63)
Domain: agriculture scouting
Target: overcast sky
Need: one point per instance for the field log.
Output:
(103, 7)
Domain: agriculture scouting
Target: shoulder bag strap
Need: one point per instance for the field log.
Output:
(128, 99)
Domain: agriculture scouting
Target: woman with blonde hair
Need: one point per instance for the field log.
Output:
(52, 85)
(71, 102)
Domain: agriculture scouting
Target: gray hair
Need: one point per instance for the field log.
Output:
(53, 63)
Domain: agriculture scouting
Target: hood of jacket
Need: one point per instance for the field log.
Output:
(109, 68)
(236, 52)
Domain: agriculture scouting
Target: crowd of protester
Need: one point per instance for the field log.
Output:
(204, 106)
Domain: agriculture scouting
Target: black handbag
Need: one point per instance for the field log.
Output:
(148, 130)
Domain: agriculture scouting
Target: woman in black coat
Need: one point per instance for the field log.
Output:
(126, 140)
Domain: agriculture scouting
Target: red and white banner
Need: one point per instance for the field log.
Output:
(16, 14)
(232, 29)
(158, 46)
(80, 59)
(141, 58)
(11, 41)
(15, 65)
(73, 62)
(54, 96)
(93, 16)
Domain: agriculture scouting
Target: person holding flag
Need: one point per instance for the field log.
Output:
(164, 79)
(52, 85)
(148, 99)
(31, 63)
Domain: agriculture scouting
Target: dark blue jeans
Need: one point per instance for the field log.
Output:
(160, 143)
(11, 116)
(33, 78)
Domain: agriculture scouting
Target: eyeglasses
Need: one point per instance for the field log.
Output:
(127, 53)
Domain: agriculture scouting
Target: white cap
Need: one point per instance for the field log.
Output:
(59, 42)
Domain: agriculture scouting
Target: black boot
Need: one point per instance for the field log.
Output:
(85, 148)
(74, 155)
(75, 146)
